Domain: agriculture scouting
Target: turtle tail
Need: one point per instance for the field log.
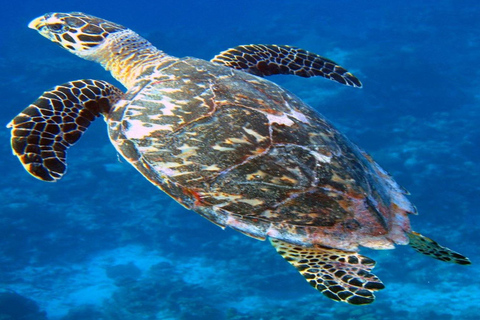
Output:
(42, 133)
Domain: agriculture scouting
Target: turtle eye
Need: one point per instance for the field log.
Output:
(57, 27)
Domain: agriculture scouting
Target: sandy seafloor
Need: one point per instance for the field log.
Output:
(105, 244)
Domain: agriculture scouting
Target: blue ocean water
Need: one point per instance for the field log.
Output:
(103, 243)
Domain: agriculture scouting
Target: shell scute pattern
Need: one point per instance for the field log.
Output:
(245, 152)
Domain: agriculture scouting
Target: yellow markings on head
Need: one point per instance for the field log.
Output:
(116, 48)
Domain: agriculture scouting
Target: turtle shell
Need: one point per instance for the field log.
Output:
(244, 152)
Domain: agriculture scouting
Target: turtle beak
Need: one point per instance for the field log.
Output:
(37, 23)
(41, 25)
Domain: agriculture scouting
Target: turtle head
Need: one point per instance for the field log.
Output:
(77, 32)
(118, 49)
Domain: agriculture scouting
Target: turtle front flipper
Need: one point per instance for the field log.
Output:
(431, 248)
(340, 275)
(268, 59)
(43, 132)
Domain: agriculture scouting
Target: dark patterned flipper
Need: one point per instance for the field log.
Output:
(265, 60)
(431, 248)
(340, 275)
(43, 132)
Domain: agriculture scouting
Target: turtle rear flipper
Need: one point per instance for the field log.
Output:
(431, 248)
(43, 132)
(340, 275)
(268, 59)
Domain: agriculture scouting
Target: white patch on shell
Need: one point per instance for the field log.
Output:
(321, 157)
(226, 196)
(137, 129)
(318, 156)
(187, 151)
(168, 165)
(170, 90)
(246, 228)
(169, 106)
(252, 202)
(213, 167)
(258, 137)
(131, 112)
(299, 116)
(167, 171)
(164, 106)
(274, 232)
(148, 149)
(220, 148)
(283, 119)
(159, 73)
(237, 141)
(120, 105)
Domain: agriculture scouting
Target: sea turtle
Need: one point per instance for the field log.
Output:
(224, 142)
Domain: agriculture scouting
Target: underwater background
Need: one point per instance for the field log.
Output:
(103, 243)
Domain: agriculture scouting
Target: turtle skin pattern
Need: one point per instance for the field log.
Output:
(339, 275)
(269, 59)
(43, 132)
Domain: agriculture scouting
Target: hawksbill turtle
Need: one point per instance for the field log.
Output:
(230, 145)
